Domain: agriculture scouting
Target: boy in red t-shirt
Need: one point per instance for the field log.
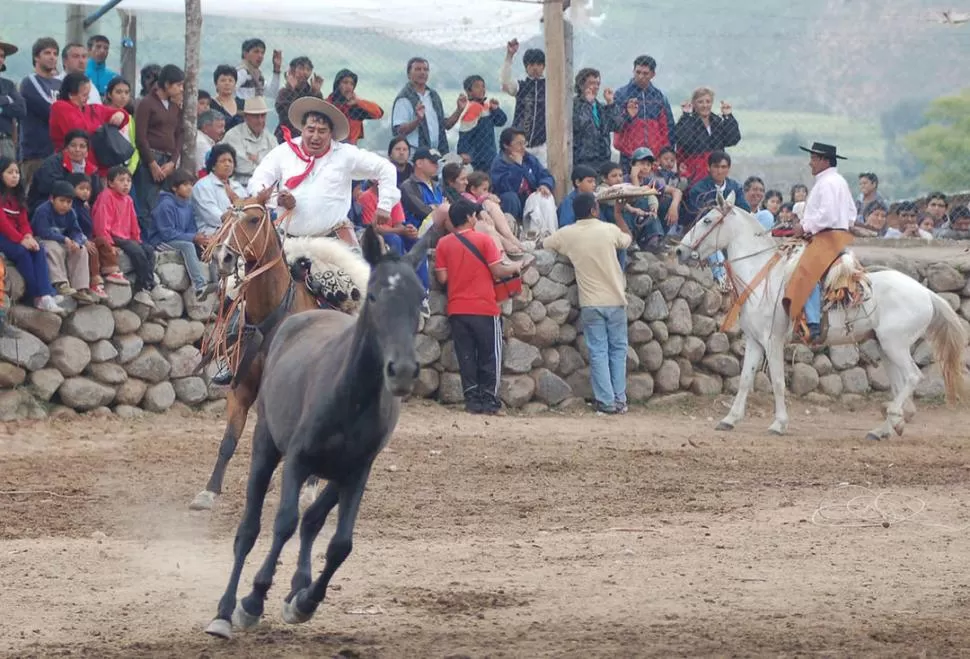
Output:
(473, 313)
(393, 231)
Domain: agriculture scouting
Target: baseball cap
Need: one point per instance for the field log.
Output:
(642, 153)
(62, 189)
(425, 153)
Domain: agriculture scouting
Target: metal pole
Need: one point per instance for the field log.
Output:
(102, 10)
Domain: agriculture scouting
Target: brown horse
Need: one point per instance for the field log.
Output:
(270, 295)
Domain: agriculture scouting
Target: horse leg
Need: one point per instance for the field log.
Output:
(311, 523)
(304, 602)
(905, 375)
(287, 517)
(238, 403)
(753, 355)
(265, 459)
(776, 370)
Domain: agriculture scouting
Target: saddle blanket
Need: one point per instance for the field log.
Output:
(828, 260)
(333, 271)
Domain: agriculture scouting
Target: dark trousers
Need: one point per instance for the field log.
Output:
(142, 257)
(478, 345)
(145, 191)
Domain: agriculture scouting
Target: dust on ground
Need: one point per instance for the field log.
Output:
(553, 535)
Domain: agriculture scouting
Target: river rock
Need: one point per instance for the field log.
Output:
(70, 355)
(536, 311)
(686, 372)
(102, 351)
(558, 311)
(704, 384)
(878, 378)
(722, 364)
(639, 387)
(674, 346)
(45, 383)
(944, 277)
(823, 365)
(639, 332)
(83, 394)
(660, 331)
(196, 309)
(702, 276)
(570, 360)
(119, 295)
(12, 403)
(547, 333)
(427, 383)
(516, 390)
(639, 285)
(168, 304)
(149, 365)
(450, 390)
(159, 397)
(562, 273)
(670, 287)
(107, 373)
(91, 323)
(718, 343)
(703, 326)
(131, 392)
(449, 359)
(190, 391)
(550, 388)
(11, 376)
(694, 349)
(438, 303)
(855, 381)
(712, 303)
(128, 412)
(520, 357)
(803, 379)
(185, 362)
(126, 321)
(656, 307)
(567, 334)
(667, 379)
(174, 276)
(923, 353)
(438, 328)
(426, 349)
(831, 384)
(843, 357)
(544, 261)
(952, 299)
(651, 356)
(580, 384)
(693, 293)
(932, 385)
(634, 307)
(43, 324)
(180, 332)
(523, 327)
(550, 359)
(530, 276)
(128, 346)
(547, 291)
(151, 333)
(679, 321)
(13, 283)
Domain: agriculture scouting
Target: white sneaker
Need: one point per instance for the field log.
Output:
(48, 303)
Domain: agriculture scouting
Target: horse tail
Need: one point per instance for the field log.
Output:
(948, 337)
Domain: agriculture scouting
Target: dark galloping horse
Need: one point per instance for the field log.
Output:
(270, 296)
(329, 401)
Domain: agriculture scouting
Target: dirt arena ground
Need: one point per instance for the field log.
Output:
(555, 535)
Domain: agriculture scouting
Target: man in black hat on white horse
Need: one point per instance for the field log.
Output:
(829, 214)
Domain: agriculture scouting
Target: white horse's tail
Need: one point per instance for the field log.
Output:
(948, 338)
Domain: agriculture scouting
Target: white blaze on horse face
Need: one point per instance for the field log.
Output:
(393, 281)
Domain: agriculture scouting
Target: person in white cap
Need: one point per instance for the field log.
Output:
(251, 140)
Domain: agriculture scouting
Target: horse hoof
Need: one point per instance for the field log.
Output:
(724, 426)
(219, 628)
(204, 500)
(241, 619)
(292, 614)
(873, 437)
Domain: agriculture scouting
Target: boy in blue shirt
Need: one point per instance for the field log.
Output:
(56, 226)
(584, 180)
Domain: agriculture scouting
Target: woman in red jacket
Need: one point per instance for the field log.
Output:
(71, 112)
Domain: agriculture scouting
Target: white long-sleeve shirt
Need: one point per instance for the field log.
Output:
(829, 204)
(323, 198)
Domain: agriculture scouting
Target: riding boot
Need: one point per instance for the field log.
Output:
(224, 375)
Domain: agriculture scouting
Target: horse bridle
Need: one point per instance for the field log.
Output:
(228, 236)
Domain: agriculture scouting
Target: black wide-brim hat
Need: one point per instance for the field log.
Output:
(825, 150)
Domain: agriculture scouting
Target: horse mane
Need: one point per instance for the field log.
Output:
(329, 254)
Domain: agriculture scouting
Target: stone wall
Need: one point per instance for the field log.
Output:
(117, 353)
(674, 314)
(125, 357)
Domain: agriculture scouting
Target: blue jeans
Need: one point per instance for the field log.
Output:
(716, 259)
(32, 266)
(511, 203)
(605, 331)
(621, 257)
(813, 306)
(191, 260)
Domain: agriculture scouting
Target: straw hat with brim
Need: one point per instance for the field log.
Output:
(255, 105)
(300, 107)
(825, 150)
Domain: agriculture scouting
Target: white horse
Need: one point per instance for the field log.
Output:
(897, 313)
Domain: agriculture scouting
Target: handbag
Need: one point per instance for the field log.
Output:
(505, 287)
(110, 146)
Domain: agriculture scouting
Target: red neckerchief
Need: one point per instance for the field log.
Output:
(68, 164)
(310, 161)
